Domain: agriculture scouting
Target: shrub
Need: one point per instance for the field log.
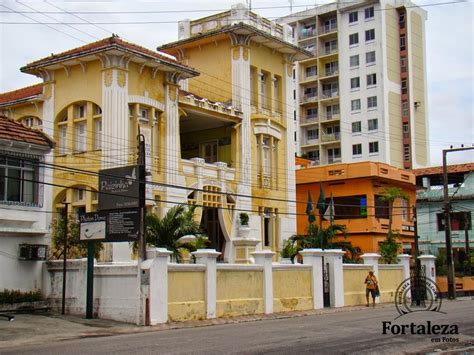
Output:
(244, 219)
(17, 296)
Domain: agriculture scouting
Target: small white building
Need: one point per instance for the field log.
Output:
(24, 213)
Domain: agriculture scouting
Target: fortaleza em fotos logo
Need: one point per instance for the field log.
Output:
(420, 294)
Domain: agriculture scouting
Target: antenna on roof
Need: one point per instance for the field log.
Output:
(291, 6)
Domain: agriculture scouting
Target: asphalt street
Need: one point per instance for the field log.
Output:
(351, 332)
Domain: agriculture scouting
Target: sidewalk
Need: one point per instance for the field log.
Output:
(30, 329)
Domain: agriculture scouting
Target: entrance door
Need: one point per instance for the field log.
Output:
(326, 285)
(211, 226)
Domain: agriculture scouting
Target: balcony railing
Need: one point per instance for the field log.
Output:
(334, 159)
(327, 94)
(309, 76)
(331, 72)
(330, 137)
(330, 50)
(307, 33)
(310, 97)
(331, 116)
(328, 28)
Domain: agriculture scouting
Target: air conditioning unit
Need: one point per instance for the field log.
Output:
(35, 252)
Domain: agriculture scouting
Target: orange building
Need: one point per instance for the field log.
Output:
(356, 190)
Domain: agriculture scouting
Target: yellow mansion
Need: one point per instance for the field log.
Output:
(215, 113)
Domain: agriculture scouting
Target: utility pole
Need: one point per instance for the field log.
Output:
(142, 192)
(447, 223)
(65, 217)
(466, 236)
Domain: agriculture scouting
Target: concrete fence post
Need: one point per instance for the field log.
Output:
(336, 276)
(314, 257)
(159, 287)
(264, 258)
(404, 260)
(373, 259)
(428, 263)
(208, 257)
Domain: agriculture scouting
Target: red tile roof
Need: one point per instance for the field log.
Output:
(438, 170)
(100, 45)
(15, 131)
(23, 93)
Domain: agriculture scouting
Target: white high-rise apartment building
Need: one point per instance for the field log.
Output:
(363, 95)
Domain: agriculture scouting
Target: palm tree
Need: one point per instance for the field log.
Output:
(390, 194)
(389, 248)
(319, 237)
(165, 232)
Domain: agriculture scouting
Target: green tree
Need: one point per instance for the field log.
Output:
(390, 195)
(390, 248)
(75, 248)
(165, 232)
(319, 237)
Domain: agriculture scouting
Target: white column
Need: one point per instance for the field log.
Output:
(208, 257)
(373, 259)
(288, 225)
(159, 287)
(404, 259)
(336, 276)
(314, 257)
(264, 258)
(428, 263)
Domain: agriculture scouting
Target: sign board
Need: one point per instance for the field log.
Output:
(110, 226)
(93, 226)
(123, 225)
(119, 188)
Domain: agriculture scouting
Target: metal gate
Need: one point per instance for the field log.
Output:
(326, 285)
(418, 287)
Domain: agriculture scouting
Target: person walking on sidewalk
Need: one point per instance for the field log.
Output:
(371, 287)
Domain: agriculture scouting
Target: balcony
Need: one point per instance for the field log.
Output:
(309, 120)
(330, 94)
(312, 97)
(198, 167)
(307, 33)
(334, 159)
(328, 51)
(332, 72)
(330, 116)
(310, 76)
(326, 29)
(330, 137)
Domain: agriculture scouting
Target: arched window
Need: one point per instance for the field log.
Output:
(32, 121)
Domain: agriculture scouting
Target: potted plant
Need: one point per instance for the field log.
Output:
(244, 228)
(288, 252)
(244, 219)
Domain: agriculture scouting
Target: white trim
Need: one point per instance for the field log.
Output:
(137, 99)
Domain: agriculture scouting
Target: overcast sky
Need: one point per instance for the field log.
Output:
(449, 48)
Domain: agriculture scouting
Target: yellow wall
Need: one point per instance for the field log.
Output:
(396, 126)
(186, 295)
(418, 82)
(213, 60)
(239, 293)
(389, 280)
(139, 84)
(292, 290)
(354, 286)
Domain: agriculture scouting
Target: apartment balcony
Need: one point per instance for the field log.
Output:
(327, 30)
(330, 117)
(334, 159)
(309, 77)
(307, 33)
(330, 73)
(309, 143)
(330, 95)
(309, 120)
(330, 137)
(309, 98)
(328, 53)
